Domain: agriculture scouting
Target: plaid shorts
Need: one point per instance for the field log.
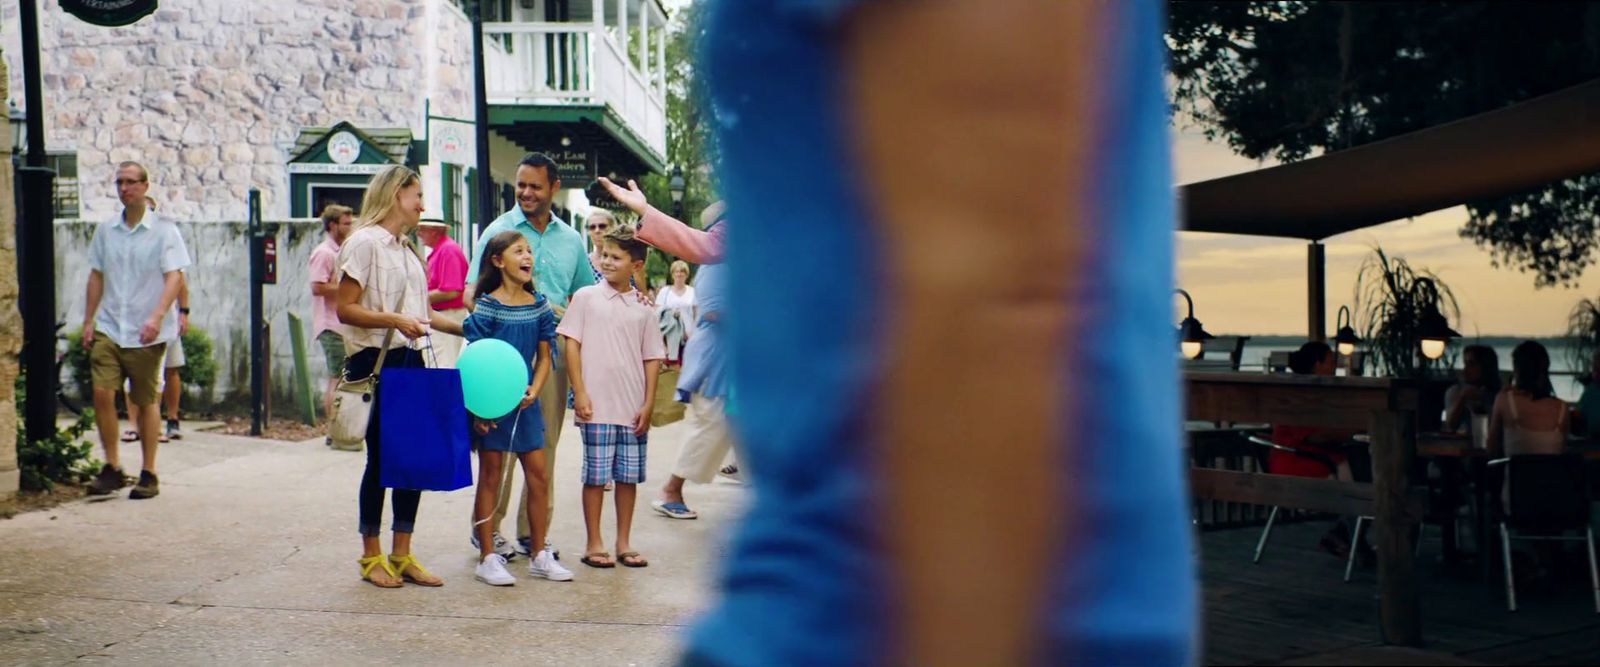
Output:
(612, 453)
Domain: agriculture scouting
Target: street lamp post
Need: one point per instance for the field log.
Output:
(676, 187)
(36, 244)
(480, 121)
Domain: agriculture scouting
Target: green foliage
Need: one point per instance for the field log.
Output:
(1583, 334)
(77, 363)
(1289, 80)
(62, 458)
(690, 141)
(1391, 298)
(200, 363)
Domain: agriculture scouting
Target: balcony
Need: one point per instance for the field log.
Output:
(604, 56)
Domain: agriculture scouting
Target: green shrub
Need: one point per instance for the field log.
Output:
(200, 362)
(78, 365)
(62, 458)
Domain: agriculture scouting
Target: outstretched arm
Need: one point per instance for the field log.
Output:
(668, 233)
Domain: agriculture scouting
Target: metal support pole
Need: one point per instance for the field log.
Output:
(486, 199)
(258, 360)
(36, 250)
(1317, 290)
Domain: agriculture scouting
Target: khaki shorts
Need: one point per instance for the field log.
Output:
(110, 365)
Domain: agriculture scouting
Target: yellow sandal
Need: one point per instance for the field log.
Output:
(371, 563)
(404, 563)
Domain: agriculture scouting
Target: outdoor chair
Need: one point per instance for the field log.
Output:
(1548, 498)
(1272, 517)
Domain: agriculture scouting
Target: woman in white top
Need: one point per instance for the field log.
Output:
(679, 297)
(1527, 418)
(383, 286)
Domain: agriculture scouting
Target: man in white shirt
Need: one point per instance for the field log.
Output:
(134, 264)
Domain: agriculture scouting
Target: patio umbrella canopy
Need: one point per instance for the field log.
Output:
(1492, 154)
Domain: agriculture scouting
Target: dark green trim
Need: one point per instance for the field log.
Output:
(448, 195)
(505, 114)
(472, 198)
(372, 152)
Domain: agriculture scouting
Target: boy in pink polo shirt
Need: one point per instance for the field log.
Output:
(614, 351)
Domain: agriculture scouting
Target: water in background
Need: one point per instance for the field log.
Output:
(1561, 373)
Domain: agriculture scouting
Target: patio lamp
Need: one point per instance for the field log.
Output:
(1192, 335)
(1346, 339)
(19, 128)
(676, 187)
(1434, 330)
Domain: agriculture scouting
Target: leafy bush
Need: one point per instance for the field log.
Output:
(62, 458)
(77, 363)
(200, 363)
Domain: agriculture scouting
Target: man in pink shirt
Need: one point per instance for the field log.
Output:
(447, 281)
(614, 352)
(325, 325)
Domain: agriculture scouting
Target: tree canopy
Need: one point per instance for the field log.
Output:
(1291, 80)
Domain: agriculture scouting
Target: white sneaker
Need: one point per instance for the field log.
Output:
(492, 571)
(545, 565)
(554, 552)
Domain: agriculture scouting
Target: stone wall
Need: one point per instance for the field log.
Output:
(219, 296)
(210, 94)
(10, 323)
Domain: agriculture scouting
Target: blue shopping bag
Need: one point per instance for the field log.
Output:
(424, 428)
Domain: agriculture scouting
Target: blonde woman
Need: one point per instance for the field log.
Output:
(678, 297)
(597, 224)
(383, 286)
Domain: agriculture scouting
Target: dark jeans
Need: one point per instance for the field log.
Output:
(405, 500)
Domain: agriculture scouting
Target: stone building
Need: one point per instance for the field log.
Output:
(305, 99)
(10, 326)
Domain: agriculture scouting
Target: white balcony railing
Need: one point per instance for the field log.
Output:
(554, 64)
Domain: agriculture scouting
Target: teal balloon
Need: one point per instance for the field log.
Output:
(493, 377)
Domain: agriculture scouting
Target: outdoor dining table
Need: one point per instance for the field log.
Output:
(1384, 407)
(1459, 457)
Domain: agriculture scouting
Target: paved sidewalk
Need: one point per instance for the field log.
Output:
(248, 557)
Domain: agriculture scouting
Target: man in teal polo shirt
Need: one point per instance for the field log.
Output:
(561, 267)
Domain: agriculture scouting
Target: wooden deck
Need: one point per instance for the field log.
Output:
(1293, 608)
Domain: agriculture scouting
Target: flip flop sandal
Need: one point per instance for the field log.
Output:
(130, 436)
(592, 560)
(404, 563)
(374, 562)
(673, 510)
(632, 559)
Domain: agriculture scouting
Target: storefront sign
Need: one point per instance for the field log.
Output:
(109, 13)
(452, 142)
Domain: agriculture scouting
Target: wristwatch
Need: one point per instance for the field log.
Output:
(183, 311)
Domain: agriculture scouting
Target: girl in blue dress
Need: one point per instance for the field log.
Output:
(509, 309)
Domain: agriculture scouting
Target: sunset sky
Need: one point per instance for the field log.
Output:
(1251, 285)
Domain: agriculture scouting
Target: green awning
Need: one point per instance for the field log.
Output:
(541, 128)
